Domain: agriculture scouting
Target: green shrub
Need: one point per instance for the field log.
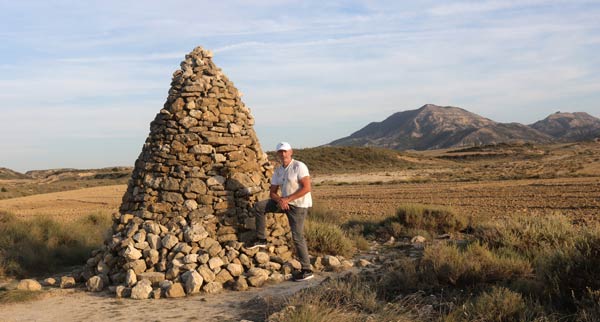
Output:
(327, 238)
(449, 265)
(529, 236)
(498, 305)
(569, 273)
(430, 218)
(43, 246)
(319, 213)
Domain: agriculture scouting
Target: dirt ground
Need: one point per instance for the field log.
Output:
(577, 197)
(67, 205)
(79, 305)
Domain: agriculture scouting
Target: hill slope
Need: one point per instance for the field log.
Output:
(568, 127)
(6, 173)
(435, 127)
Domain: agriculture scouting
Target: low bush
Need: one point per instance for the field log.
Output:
(347, 299)
(500, 304)
(570, 274)
(327, 238)
(410, 220)
(475, 264)
(16, 296)
(30, 247)
(430, 218)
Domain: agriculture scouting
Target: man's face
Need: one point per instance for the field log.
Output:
(284, 156)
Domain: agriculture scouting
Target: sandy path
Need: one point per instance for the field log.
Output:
(67, 205)
(79, 305)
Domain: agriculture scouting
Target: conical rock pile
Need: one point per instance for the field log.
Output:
(188, 208)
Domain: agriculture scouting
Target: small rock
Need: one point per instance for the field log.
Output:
(277, 277)
(215, 262)
(193, 281)
(130, 278)
(175, 290)
(67, 282)
(261, 257)
(240, 284)
(49, 281)
(95, 284)
(364, 263)
(390, 241)
(418, 239)
(123, 291)
(131, 253)
(155, 293)
(29, 285)
(235, 269)
(331, 261)
(141, 290)
(346, 264)
(257, 280)
(212, 288)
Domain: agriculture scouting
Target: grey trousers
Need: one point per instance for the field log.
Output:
(295, 216)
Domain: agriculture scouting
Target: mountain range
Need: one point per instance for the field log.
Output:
(438, 127)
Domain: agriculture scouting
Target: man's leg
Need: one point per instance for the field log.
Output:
(296, 217)
(261, 208)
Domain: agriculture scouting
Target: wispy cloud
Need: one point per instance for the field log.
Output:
(98, 72)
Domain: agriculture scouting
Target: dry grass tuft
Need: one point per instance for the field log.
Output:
(44, 246)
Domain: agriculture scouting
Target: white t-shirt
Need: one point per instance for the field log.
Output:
(288, 179)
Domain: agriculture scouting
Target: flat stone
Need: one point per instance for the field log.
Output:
(155, 278)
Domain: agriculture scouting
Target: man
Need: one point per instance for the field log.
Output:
(294, 180)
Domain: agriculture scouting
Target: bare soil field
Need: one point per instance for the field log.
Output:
(67, 205)
(576, 197)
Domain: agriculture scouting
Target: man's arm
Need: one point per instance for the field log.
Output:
(305, 188)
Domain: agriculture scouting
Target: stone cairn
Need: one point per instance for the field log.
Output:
(188, 209)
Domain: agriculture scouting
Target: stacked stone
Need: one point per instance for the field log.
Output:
(188, 209)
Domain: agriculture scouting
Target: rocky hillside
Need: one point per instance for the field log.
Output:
(6, 173)
(566, 127)
(435, 127)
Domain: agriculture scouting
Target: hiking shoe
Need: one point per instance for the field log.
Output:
(303, 275)
(258, 243)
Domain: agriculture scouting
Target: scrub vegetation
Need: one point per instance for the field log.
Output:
(44, 246)
(518, 269)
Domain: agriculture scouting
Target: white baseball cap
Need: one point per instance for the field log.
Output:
(283, 146)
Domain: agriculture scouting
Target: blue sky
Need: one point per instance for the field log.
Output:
(80, 81)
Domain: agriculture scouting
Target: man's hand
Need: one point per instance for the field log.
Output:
(283, 203)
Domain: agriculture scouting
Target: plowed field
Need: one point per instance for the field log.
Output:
(576, 197)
